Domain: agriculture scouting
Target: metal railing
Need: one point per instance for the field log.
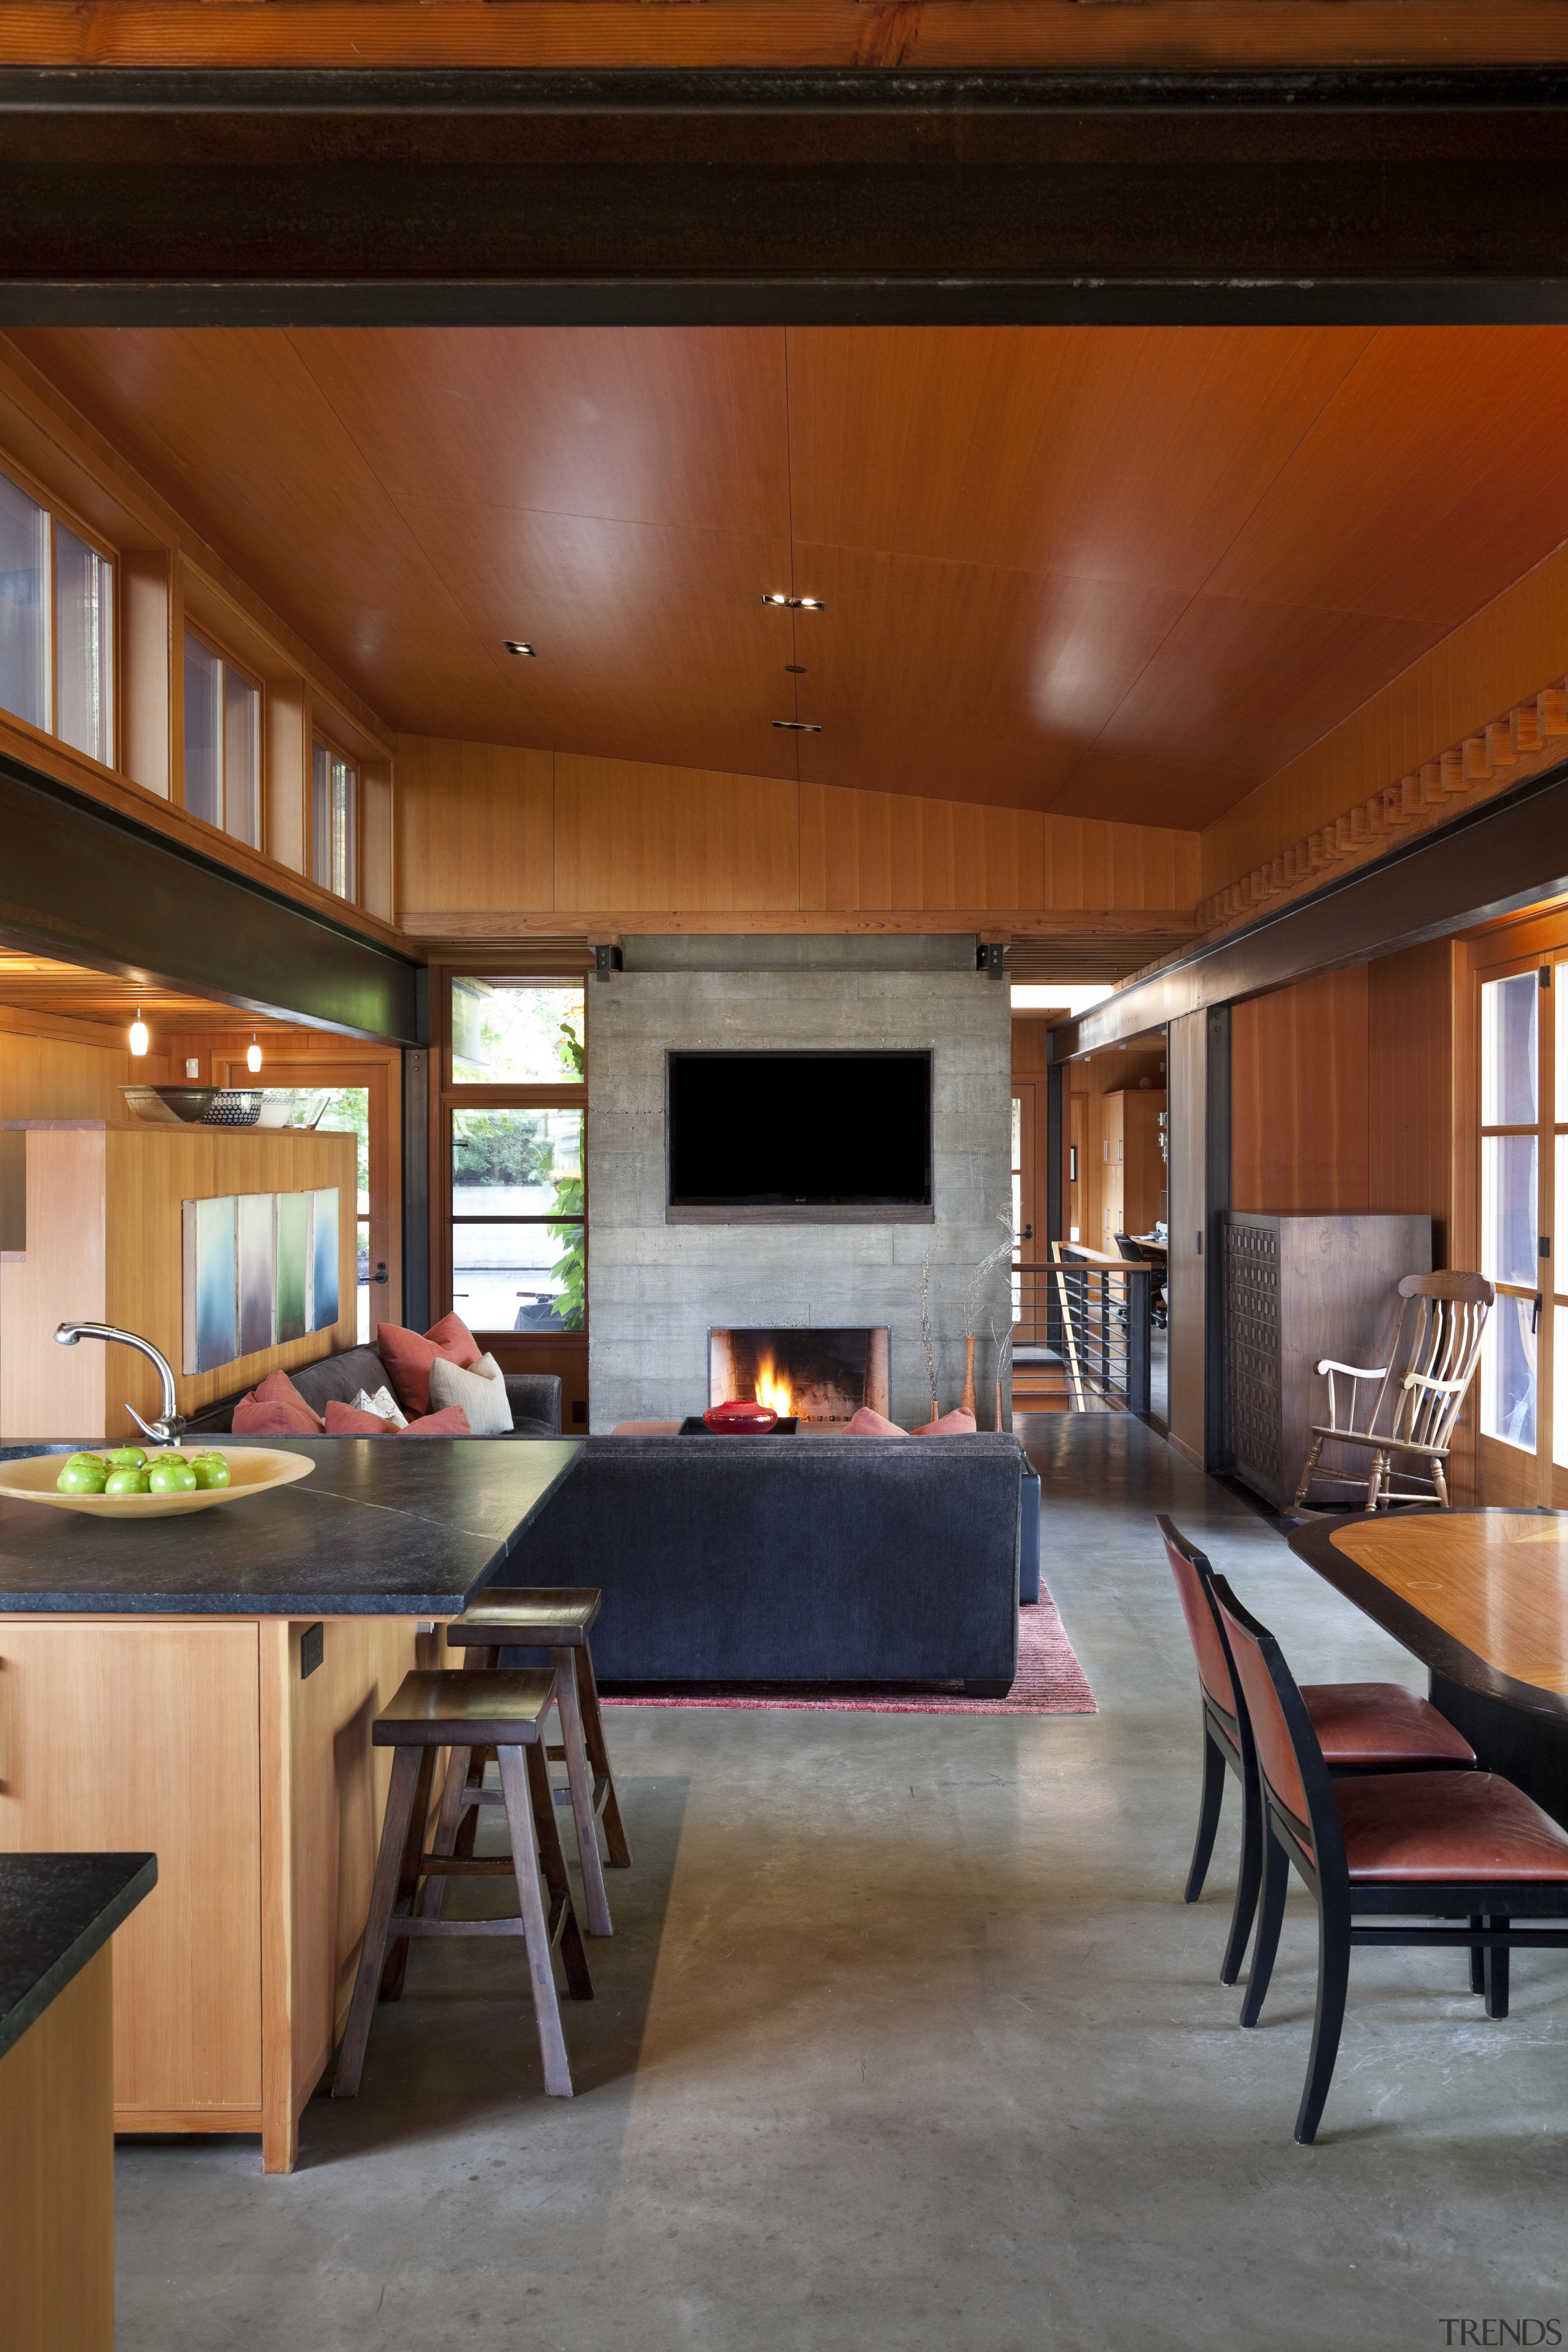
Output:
(1093, 1314)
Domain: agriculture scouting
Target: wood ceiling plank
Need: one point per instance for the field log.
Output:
(648, 426)
(1422, 490)
(1122, 573)
(1252, 684)
(1131, 454)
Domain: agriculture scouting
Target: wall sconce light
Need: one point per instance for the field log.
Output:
(138, 1037)
(253, 1055)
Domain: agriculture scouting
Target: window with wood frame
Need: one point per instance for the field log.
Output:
(57, 625)
(1523, 1172)
(222, 742)
(334, 821)
(514, 1106)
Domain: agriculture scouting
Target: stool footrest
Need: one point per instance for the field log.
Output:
(512, 1926)
(460, 1866)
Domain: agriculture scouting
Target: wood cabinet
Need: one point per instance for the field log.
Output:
(1297, 1288)
(203, 1741)
(1132, 1171)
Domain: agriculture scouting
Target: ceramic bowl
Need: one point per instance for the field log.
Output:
(252, 1470)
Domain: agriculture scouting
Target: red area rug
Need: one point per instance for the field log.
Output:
(1049, 1682)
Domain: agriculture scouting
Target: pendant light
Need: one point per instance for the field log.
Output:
(138, 1037)
(253, 1055)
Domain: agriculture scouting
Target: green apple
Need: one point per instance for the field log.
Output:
(209, 1469)
(170, 1474)
(131, 1479)
(89, 1478)
(95, 1460)
(168, 1455)
(127, 1457)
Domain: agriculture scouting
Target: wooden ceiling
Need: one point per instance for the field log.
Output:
(30, 983)
(1121, 573)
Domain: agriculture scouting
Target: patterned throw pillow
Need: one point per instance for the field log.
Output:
(482, 1395)
(384, 1406)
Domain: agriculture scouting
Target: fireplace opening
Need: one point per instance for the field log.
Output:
(821, 1377)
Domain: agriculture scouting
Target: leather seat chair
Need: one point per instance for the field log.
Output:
(1462, 1847)
(1359, 1727)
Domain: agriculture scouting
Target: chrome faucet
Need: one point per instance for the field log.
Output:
(170, 1425)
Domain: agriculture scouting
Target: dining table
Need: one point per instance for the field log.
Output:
(1480, 1596)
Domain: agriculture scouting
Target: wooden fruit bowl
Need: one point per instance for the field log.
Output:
(252, 1470)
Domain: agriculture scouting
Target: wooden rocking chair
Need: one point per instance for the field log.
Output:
(1437, 1344)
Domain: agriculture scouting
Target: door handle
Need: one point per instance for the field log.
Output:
(1028, 1234)
(1535, 1316)
(380, 1274)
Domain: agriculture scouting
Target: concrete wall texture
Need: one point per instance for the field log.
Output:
(655, 1288)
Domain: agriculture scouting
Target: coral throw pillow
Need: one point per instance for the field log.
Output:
(347, 1421)
(451, 1421)
(957, 1423)
(275, 1409)
(254, 1420)
(408, 1358)
(868, 1423)
(279, 1389)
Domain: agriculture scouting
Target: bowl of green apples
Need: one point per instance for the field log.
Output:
(127, 1482)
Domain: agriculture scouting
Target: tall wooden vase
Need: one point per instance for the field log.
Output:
(968, 1401)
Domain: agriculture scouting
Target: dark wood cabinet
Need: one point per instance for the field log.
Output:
(1298, 1288)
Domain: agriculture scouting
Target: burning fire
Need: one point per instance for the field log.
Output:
(773, 1388)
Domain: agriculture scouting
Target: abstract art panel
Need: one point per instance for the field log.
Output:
(211, 1271)
(293, 1265)
(260, 1269)
(323, 1259)
(257, 1270)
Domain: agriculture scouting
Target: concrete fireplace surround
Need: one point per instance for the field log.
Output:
(655, 1288)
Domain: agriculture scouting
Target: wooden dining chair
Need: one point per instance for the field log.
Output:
(1415, 1398)
(1359, 1728)
(1465, 1847)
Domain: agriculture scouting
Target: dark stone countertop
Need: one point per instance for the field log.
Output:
(56, 1911)
(382, 1528)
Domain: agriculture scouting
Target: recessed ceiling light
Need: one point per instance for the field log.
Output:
(797, 603)
(520, 645)
(797, 726)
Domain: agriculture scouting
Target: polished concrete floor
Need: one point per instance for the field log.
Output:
(906, 2040)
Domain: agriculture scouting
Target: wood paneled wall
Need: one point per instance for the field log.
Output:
(491, 839)
(1500, 656)
(1299, 1096)
(105, 1243)
(50, 1069)
(1345, 1095)
(168, 571)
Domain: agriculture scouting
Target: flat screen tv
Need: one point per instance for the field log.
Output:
(845, 1133)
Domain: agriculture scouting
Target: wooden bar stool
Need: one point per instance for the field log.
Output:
(461, 1712)
(557, 1619)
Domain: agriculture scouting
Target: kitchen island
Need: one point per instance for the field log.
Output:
(203, 1687)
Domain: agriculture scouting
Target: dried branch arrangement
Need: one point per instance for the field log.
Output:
(925, 1332)
(974, 1295)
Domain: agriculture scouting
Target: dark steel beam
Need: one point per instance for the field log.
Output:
(1495, 860)
(185, 196)
(87, 885)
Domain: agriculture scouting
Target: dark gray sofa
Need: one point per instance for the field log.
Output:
(534, 1397)
(793, 1559)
